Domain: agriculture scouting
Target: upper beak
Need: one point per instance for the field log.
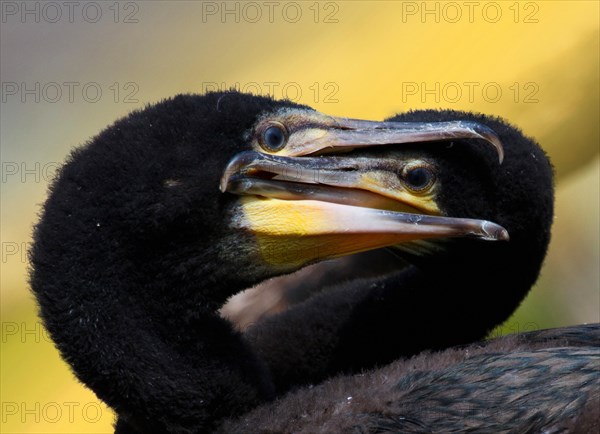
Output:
(344, 133)
(303, 209)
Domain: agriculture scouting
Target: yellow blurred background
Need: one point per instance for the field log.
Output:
(70, 69)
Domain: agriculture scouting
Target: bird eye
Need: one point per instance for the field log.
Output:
(273, 138)
(418, 178)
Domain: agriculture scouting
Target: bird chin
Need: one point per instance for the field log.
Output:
(421, 248)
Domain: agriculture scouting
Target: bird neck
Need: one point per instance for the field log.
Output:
(448, 299)
(138, 323)
(470, 288)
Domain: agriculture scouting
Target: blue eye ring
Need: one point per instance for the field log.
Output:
(273, 137)
(418, 178)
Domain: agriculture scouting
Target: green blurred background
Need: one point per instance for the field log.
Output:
(69, 70)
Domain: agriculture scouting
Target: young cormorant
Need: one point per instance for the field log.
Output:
(137, 248)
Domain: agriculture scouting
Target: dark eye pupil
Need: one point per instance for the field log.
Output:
(274, 138)
(418, 177)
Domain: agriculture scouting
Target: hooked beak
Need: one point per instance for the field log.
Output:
(303, 209)
(324, 134)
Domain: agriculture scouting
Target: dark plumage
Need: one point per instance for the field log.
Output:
(125, 289)
(532, 383)
(137, 249)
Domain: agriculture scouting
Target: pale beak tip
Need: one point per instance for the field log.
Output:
(223, 182)
(489, 135)
(493, 232)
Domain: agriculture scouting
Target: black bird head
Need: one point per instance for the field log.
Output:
(517, 194)
(467, 285)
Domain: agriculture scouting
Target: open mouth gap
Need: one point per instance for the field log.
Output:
(343, 179)
(286, 189)
(261, 174)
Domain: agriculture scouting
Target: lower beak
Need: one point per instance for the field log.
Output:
(293, 233)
